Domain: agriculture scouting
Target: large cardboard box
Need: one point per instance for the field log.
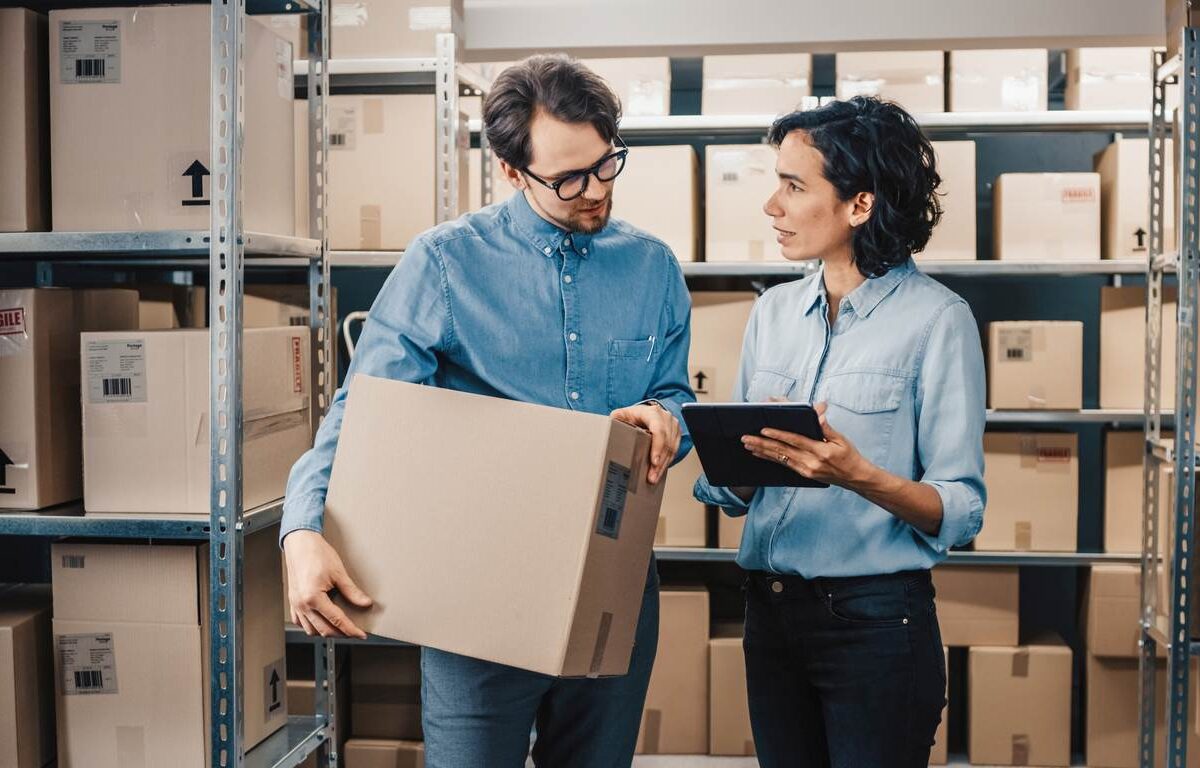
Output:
(388, 29)
(977, 605)
(913, 79)
(658, 192)
(549, 568)
(116, 73)
(938, 755)
(738, 179)
(1033, 492)
(1124, 196)
(1020, 705)
(1123, 457)
(131, 637)
(1034, 365)
(1113, 715)
(759, 84)
(954, 237)
(1109, 78)
(146, 418)
(729, 710)
(999, 80)
(385, 692)
(24, 122)
(1047, 217)
(26, 677)
(1113, 611)
(383, 753)
(642, 84)
(675, 718)
(1123, 347)
(41, 461)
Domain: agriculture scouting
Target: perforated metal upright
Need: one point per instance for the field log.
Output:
(1170, 624)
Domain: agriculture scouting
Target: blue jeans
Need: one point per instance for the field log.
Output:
(843, 673)
(478, 714)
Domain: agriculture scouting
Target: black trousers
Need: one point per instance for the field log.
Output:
(843, 673)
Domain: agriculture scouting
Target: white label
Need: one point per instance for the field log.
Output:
(88, 663)
(429, 18)
(343, 127)
(349, 14)
(89, 51)
(283, 69)
(1016, 346)
(612, 507)
(116, 371)
(646, 97)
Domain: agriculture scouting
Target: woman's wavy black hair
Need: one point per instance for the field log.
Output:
(875, 146)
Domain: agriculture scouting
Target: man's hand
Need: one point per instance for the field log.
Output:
(314, 568)
(664, 430)
(833, 460)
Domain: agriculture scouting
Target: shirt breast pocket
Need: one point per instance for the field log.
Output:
(630, 369)
(864, 406)
(766, 386)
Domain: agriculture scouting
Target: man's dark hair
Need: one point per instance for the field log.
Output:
(558, 84)
(875, 146)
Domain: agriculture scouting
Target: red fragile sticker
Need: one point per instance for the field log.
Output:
(1078, 194)
(12, 321)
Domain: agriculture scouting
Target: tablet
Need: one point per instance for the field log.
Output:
(717, 430)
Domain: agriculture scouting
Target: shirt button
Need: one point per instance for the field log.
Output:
(567, 242)
(574, 337)
(547, 250)
(567, 279)
(584, 251)
(776, 586)
(574, 395)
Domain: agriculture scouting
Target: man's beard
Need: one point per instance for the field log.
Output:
(588, 224)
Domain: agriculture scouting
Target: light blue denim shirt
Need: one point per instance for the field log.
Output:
(503, 303)
(902, 371)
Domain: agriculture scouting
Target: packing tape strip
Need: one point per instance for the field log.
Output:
(1023, 535)
(601, 644)
(370, 221)
(660, 533)
(131, 746)
(1020, 749)
(1020, 663)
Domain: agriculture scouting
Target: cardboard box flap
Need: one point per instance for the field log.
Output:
(126, 583)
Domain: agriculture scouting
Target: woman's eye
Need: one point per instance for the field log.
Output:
(794, 188)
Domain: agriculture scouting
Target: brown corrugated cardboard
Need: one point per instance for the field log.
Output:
(1123, 346)
(1113, 611)
(728, 711)
(1020, 705)
(642, 84)
(682, 520)
(1034, 365)
(26, 677)
(738, 179)
(1180, 14)
(1124, 192)
(550, 568)
(1033, 492)
(658, 192)
(40, 455)
(1047, 217)
(913, 79)
(166, 307)
(954, 237)
(131, 640)
(1113, 714)
(675, 719)
(729, 530)
(146, 407)
(999, 80)
(385, 692)
(977, 606)
(759, 84)
(384, 753)
(381, 29)
(938, 755)
(122, 72)
(1109, 78)
(1123, 455)
(24, 122)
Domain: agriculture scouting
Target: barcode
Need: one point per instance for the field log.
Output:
(337, 139)
(1015, 354)
(89, 68)
(729, 176)
(88, 678)
(118, 387)
(610, 518)
(72, 561)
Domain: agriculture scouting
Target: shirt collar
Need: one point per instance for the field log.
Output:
(865, 297)
(546, 237)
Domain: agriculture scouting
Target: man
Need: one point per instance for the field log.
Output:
(542, 299)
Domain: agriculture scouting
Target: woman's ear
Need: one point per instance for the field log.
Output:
(861, 207)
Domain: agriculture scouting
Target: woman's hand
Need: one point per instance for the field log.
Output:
(834, 460)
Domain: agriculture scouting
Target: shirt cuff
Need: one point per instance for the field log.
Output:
(720, 497)
(302, 513)
(962, 516)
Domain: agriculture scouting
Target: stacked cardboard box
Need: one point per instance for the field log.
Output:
(24, 123)
(977, 605)
(642, 84)
(1020, 705)
(738, 179)
(1124, 190)
(385, 692)
(762, 84)
(1124, 453)
(388, 29)
(729, 711)
(658, 192)
(954, 237)
(26, 677)
(675, 719)
(1109, 78)
(1047, 217)
(913, 79)
(1033, 492)
(999, 81)
(1035, 365)
(1123, 347)
(384, 753)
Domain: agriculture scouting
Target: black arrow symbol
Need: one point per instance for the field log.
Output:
(4, 463)
(274, 682)
(1141, 237)
(197, 171)
(701, 377)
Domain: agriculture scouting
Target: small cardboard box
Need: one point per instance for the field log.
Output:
(758, 84)
(1124, 192)
(913, 79)
(383, 753)
(1113, 612)
(729, 710)
(40, 449)
(1113, 714)
(24, 122)
(977, 605)
(1035, 365)
(146, 418)
(999, 80)
(675, 718)
(131, 636)
(954, 237)
(1110, 78)
(549, 568)
(122, 72)
(385, 692)
(1123, 456)
(26, 677)
(658, 193)
(1020, 705)
(1033, 492)
(1047, 217)
(1123, 347)
(738, 179)
(642, 84)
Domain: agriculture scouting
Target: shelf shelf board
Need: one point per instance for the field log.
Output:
(71, 520)
(134, 246)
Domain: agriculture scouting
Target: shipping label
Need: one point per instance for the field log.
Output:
(116, 371)
(612, 506)
(89, 51)
(1016, 345)
(88, 664)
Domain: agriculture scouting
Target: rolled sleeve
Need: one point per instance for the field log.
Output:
(951, 417)
(718, 496)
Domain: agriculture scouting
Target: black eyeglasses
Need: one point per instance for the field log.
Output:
(574, 183)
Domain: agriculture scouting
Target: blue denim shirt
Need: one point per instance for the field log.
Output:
(503, 303)
(902, 371)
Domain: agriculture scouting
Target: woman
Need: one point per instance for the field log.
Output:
(844, 657)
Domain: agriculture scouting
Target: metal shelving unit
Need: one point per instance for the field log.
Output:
(1171, 625)
(1043, 559)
